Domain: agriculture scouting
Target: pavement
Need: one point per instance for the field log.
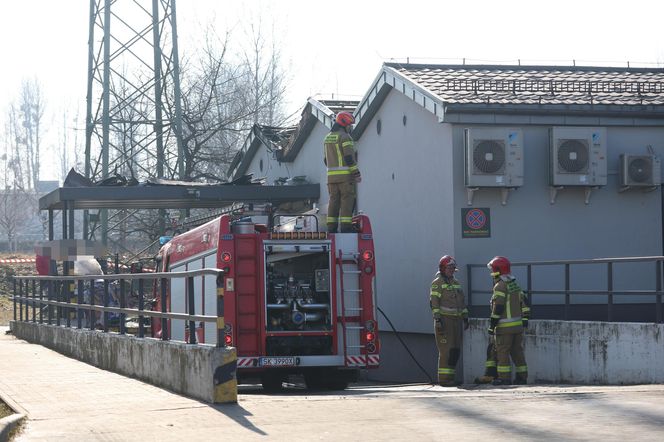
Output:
(67, 400)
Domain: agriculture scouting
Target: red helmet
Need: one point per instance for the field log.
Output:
(446, 261)
(344, 119)
(499, 266)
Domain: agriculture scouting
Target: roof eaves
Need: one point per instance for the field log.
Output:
(648, 112)
(387, 78)
(324, 114)
(243, 157)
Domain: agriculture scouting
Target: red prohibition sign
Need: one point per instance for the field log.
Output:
(476, 219)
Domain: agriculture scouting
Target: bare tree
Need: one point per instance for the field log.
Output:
(262, 61)
(31, 106)
(68, 144)
(223, 99)
(16, 206)
(23, 137)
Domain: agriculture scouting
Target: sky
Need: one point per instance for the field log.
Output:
(338, 48)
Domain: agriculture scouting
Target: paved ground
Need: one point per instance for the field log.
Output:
(67, 400)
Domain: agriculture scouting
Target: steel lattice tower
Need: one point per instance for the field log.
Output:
(133, 122)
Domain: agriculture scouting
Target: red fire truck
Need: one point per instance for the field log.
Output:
(297, 300)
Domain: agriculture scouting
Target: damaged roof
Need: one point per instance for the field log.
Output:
(286, 142)
(272, 137)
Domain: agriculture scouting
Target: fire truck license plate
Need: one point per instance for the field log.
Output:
(277, 361)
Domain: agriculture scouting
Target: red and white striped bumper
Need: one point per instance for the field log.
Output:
(363, 361)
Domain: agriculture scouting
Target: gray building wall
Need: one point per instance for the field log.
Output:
(530, 228)
(271, 170)
(406, 190)
(417, 212)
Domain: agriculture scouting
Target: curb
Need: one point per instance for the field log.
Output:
(9, 423)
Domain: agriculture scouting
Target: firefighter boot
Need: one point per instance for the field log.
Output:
(484, 379)
(521, 379)
(501, 382)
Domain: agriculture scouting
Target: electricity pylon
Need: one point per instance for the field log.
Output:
(133, 122)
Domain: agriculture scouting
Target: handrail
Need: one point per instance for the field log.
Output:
(125, 276)
(567, 290)
(50, 289)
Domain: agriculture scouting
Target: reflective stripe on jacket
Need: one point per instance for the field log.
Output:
(508, 293)
(447, 298)
(338, 146)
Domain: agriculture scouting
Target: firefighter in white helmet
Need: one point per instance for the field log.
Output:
(342, 173)
(449, 311)
(509, 317)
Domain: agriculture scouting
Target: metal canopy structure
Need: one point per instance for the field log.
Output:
(69, 199)
(172, 196)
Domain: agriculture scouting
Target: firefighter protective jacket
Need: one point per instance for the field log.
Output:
(447, 298)
(340, 157)
(508, 294)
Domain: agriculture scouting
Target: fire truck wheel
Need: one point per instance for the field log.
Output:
(272, 382)
(336, 384)
(325, 380)
(314, 380)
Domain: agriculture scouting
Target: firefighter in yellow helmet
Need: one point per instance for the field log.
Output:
(449, 311)
(509, 317)
(342, 173)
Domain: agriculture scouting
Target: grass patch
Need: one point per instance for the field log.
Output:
(5, 410)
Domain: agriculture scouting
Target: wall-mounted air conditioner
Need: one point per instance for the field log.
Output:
(577, 156)
(494, 158)
(640, 171)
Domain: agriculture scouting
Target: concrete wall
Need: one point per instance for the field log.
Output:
(574, 352)
(187, 369)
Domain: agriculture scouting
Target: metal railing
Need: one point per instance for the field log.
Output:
(48, 300)
(567, 289)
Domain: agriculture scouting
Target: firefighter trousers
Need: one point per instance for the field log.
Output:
(491, 359)
(510, 345)
(340, 206)
(448, 341)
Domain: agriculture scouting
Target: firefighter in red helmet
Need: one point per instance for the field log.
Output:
(509, 317)
(342, 173)
(449, 311)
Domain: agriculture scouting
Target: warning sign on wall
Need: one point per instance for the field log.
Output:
(475, 223)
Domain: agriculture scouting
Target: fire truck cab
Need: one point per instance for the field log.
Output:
(297, 300)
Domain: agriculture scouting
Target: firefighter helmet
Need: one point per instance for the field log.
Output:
(499, 266)
(446, 261)
(345, 119)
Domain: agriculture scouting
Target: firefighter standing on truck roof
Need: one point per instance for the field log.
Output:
(449, 310)
(509, 317)
(342, 173)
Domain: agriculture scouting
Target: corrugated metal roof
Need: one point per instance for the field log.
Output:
(542, 85)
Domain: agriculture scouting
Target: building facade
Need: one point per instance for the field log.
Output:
(534, 163)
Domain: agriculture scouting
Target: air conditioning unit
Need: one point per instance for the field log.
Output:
(494, 157)
(577, 156)
(640, 170)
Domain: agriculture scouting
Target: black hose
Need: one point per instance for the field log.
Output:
(405, 346)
